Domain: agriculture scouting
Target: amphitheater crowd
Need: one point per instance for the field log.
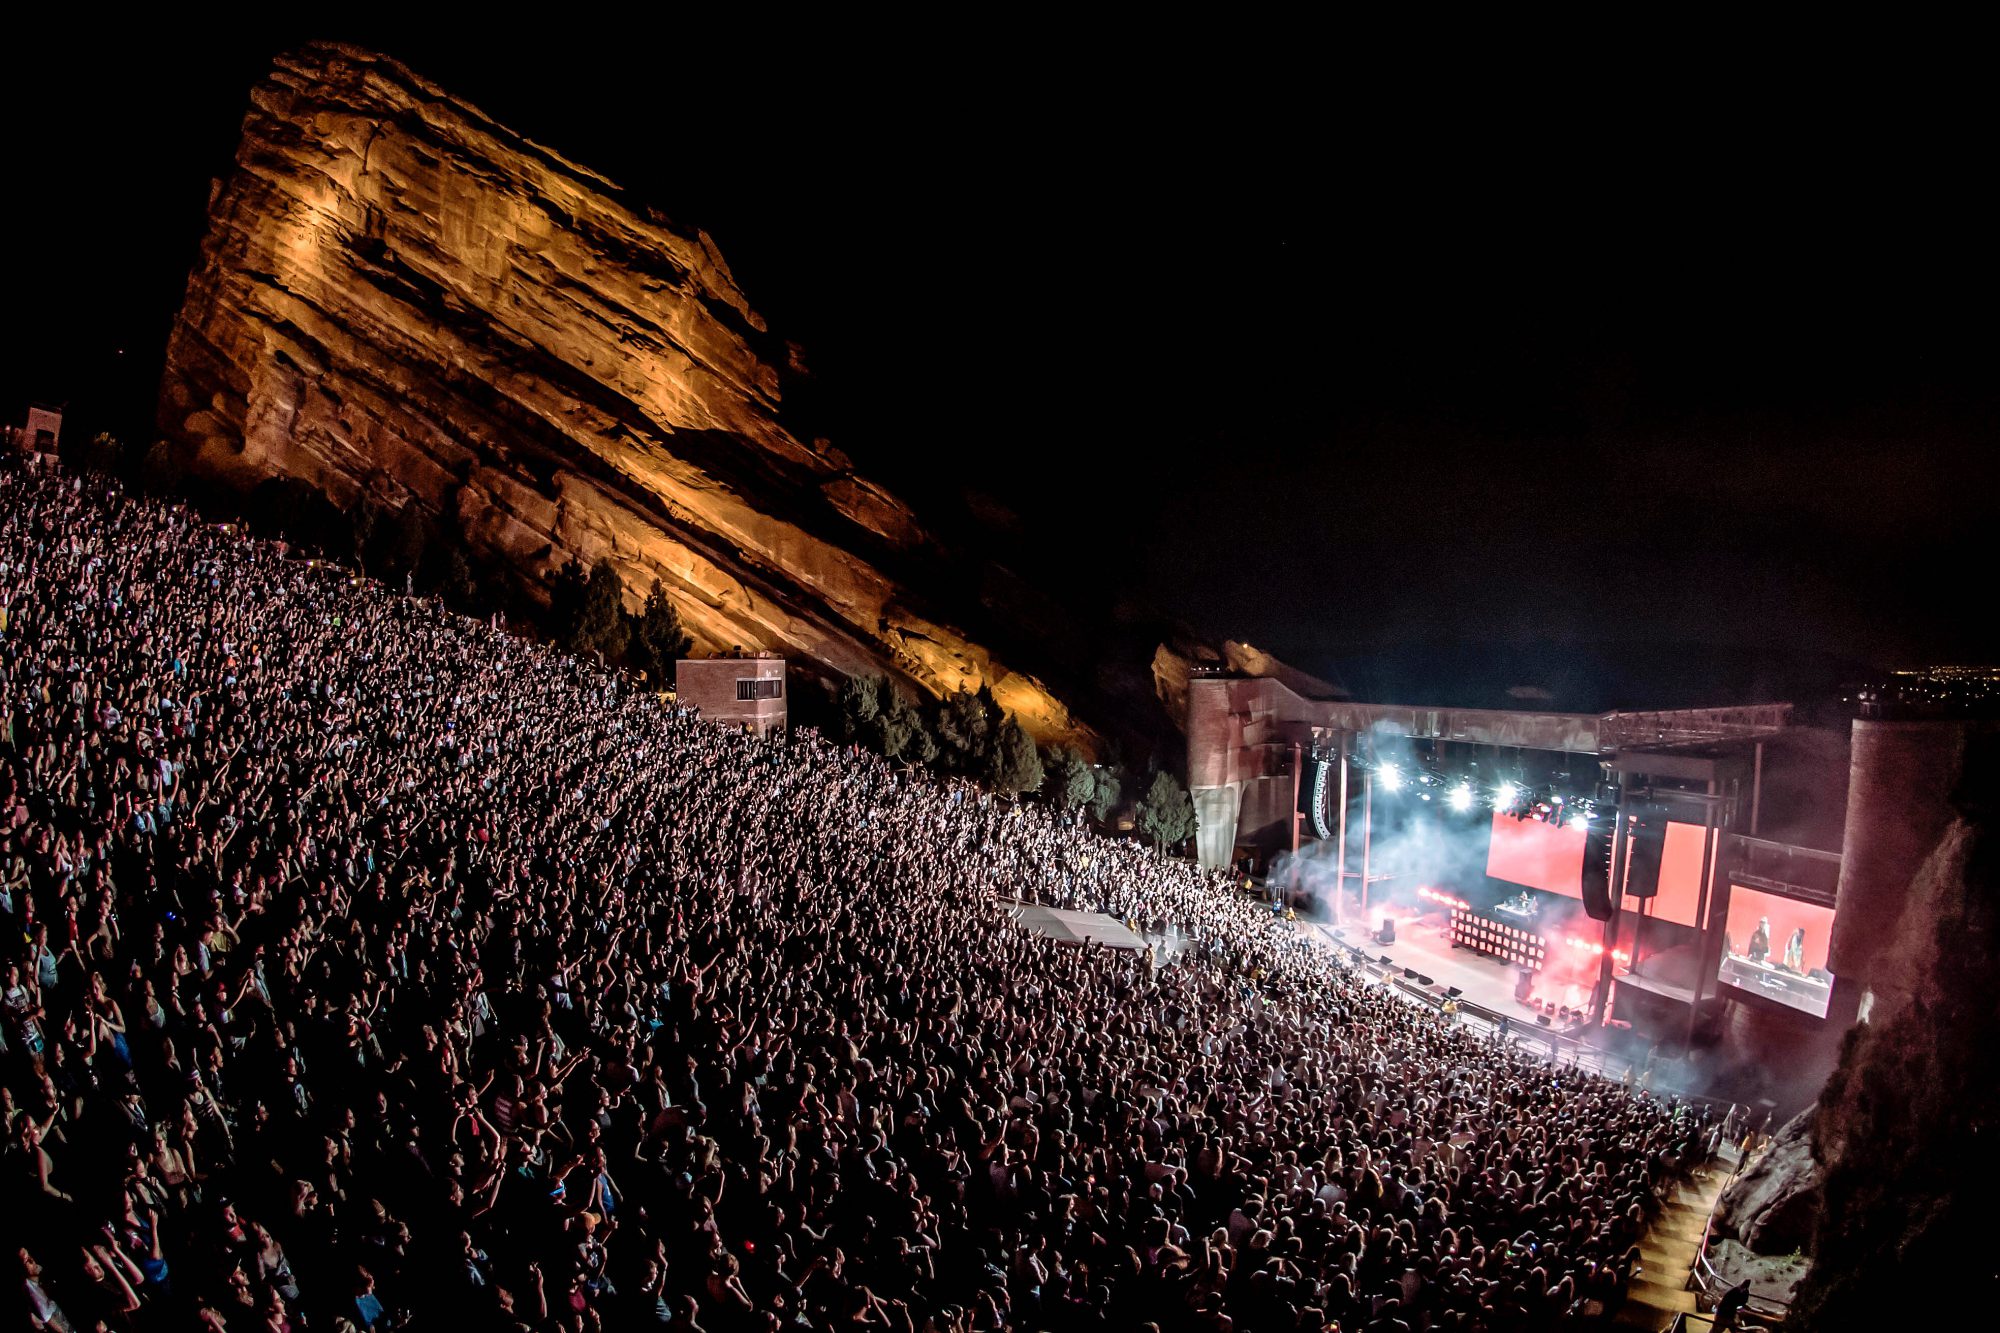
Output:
(366, 966)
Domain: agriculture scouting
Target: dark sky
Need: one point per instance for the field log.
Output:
(1430, 375)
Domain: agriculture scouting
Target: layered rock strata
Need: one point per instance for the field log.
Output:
(397, 296)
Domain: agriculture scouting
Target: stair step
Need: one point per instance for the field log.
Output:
(1666, 1254)
(1662, 1297)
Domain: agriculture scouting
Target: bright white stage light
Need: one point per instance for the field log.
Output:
(1579, 823)
(1505, 796)
(1390, 778)
(1461, 797)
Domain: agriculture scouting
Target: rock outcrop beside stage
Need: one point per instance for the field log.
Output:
(1771, 1207)
(397, 296)
(1175, 662)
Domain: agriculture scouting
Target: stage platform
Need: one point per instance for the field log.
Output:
(1666, 989)
(1424, 946)
(1066, 927)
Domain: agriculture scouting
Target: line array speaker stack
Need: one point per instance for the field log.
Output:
(1649, 844)
(1597, 845)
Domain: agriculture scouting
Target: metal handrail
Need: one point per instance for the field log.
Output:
(1703, 1278)
(1685, 1322)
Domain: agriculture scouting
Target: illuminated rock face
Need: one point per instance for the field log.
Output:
(397, 296)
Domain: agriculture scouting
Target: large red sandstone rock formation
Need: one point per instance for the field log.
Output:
(397, 295)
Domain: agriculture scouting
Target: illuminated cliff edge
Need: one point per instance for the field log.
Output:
(398, 296)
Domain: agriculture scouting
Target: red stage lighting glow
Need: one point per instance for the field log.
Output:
(1442, 898)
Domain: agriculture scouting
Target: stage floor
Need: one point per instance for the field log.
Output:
(1424, 945)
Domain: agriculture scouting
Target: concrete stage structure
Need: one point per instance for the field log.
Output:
(1253, 744)
(1272, 772)
(1801, 936)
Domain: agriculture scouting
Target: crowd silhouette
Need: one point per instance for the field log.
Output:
(368, 966)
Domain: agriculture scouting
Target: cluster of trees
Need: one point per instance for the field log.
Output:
(969, 733)
(965, 733)
(157, 470)
(1164, 815)
(587, 615)
(399, 544)
(98, 453)
(1072, 781)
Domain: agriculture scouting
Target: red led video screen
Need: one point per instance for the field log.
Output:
(1679, 896)
(1536, 855)
(1776, 947)
(1550, 857)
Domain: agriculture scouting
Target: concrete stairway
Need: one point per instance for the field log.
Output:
(1659, 1292)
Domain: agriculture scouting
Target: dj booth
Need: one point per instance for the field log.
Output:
(1508, 934)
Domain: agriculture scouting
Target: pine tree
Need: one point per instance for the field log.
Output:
(900, 730)
(1108, 789)
(456, 582)
(395, 542)
(1166, 814)
(1012, 764)
(966, 724)
(860, 706)
(363, 520)
(600, 626)
(162, 473)
(446, 567)
(1071, 782)
(566, 601)
(660, 639)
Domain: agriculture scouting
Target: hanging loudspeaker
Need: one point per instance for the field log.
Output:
(1649, 843)
(1597, 841)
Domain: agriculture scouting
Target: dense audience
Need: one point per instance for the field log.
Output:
(369, 967)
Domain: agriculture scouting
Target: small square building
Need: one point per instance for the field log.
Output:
(41, 438)
(744, 690)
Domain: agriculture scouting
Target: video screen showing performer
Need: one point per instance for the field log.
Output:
(1777, 947)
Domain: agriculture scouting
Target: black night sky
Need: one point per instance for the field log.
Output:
(1431, 377)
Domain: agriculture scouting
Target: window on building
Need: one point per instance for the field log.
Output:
(760, 689)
